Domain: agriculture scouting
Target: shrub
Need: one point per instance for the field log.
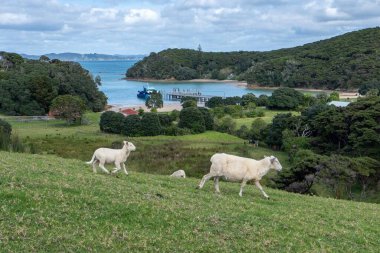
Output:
(174, 115)
(192, 118)
(236, 111)
(68, 107)
(243, 132)
(209, 121)
(150, 124)
(132, 126)
(257, 127)
(285, 98)
(111, 122)
(189, 103)
(165, 120)
(5, 134)
(214, 102)
(176, 131)
(225, 125)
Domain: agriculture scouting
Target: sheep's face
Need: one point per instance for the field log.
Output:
(275, 163)
(129, 145)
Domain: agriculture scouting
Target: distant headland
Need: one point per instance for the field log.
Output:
(86, 57)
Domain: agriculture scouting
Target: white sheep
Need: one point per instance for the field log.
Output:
(179, 174)
(235, 168)
(116, 156)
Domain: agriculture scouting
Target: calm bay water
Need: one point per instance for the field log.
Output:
(123, 92)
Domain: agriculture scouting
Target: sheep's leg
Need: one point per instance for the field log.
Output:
(257, 183)
(243, 183)
(117, 164)
(101, 165)
(204, 179)
(94, 166)
(216, 184)
(125, 169)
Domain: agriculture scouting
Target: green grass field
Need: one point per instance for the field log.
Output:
(51, 204)
(269, 114)
(156, 155)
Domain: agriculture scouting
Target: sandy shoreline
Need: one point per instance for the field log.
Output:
(342, 93)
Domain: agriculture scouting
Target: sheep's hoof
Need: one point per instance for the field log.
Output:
(198, 187)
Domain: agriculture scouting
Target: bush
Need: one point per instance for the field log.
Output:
(214, 102)
(225, 125)
(174, 115)
(257, 128)
(132, 126)
(5, 134)
(68, 107)
(176, 131)
(243, 132)
(111, 122)
(150, 124)
(165, 120)
(209, 121)
(192, 118)
(285, 98)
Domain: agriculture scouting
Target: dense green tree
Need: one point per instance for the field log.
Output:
(334, 96)
(209, 121)
(285, 98)
(165, 120)
(68, 107)
(215, 102)
(257, 128)
(263, 100)
(225, 125)
(112, 122)
(248, 98)
(155, 100)
(188, 102)
(150, 124)
(27, 87)
(132, 126)
(193, 119)
(274, 131)
(364, 88)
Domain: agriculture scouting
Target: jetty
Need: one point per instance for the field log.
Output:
(178, 94)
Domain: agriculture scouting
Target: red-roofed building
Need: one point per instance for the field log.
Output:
(128, 111)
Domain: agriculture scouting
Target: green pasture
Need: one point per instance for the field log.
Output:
(51, 204)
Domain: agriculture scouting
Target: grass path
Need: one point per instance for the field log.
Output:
(50, 204)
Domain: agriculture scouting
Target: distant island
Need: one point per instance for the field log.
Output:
(86, 57)
(344, 62)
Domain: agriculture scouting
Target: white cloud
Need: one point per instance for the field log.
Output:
(151, 25)
(13, 18)
(144, 16)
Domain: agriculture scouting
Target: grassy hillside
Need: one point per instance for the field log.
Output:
(342, 62)
(49, 204)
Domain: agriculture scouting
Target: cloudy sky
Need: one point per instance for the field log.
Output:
(143, 26)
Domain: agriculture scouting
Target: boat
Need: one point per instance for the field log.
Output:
(145, 93)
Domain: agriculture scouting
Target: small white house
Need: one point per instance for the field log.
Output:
(339, 103)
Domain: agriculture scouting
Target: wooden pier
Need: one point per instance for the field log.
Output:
(177, 95)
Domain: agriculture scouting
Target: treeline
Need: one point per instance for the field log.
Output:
(189, 120)
(28, 87)
(343, 62)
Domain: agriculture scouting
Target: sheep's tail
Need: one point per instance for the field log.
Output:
(92, 160)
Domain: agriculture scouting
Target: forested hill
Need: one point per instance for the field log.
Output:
(343, 62)
(28, 87)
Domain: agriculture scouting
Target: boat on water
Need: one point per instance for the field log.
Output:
(145, 93)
